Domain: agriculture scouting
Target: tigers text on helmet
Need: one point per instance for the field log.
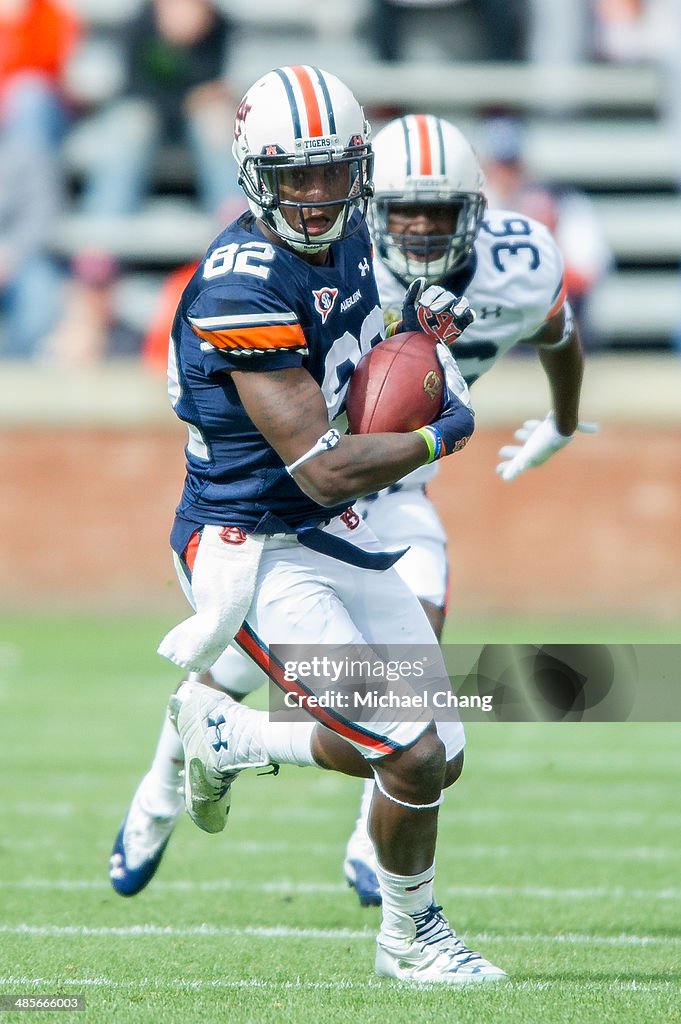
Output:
(424, 164)
(305, 162)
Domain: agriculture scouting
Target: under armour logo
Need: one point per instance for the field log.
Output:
(487, 311)
(329, 440)
(363, 267)
(215, 723)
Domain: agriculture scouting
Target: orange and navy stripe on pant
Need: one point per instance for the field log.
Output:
(252, 645)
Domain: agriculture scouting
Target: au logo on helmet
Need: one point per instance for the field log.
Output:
(324, 301)
(241, 113)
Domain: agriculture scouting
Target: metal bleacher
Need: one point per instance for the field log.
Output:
(600, 128)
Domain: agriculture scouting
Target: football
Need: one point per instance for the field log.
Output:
(397, 386)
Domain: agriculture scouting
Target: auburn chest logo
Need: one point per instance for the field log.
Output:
(324, 301)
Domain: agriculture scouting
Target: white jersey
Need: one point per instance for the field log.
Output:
(516, 285)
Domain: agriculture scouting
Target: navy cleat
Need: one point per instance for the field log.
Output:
(362, 878)
(359, 866)
(140, 845)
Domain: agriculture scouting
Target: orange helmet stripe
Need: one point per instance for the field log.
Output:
(424, 144)
(314, 114)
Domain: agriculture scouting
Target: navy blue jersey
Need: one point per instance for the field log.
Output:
(254, 306)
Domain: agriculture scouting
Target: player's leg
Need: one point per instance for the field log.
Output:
(157, 803)
(436, 615)
(401, 517)
(408, 759)
(404, 517)
(359, 866)
(416, 942)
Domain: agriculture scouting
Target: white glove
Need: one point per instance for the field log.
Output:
(540, 440)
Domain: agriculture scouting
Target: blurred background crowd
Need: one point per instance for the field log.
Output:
(115, 135)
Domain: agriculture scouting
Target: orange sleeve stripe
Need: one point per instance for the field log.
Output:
(424, 144)
(263, 339)
(314, 116)
(562, 295)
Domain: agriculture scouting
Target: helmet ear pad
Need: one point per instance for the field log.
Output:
(424, 161)
(307, 118)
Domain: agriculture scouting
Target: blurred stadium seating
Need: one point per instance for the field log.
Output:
(599, 127)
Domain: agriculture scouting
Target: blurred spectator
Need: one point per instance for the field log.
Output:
(174, 54)
(450, 29)
(91, 330)
(37, 38)
(568, 214)
(36, 41)
(30, 282)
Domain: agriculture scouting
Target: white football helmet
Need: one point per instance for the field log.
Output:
(302, 117)
(421, 161)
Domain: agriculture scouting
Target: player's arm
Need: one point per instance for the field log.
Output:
(560, 352)
(288, 408)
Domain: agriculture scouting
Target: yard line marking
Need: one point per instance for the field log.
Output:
(176, 984)
(332, 888)
(285, 932)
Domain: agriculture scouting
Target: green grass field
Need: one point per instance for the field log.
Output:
(558, 858)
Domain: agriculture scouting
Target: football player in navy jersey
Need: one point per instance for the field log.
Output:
(266, 547)
(429, 220)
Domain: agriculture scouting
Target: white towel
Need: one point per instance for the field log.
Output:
(223, 584)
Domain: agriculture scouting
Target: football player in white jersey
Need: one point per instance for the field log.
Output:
(266, 549)
(429, 220)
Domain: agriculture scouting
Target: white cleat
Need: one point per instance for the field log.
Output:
(429, 951)
(218, 742)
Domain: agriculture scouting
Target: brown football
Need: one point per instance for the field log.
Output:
(397, 386)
